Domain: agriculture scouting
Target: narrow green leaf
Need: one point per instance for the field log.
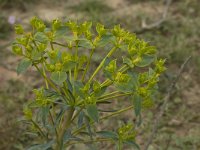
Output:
(44, 115)
(80, 119)
(132, 143)
(45, 146)
(23, 65)
(93, 112)
(137, 102)
(77, 86)
(59, 116)
(58, 77)
(88, 126)
(51, 94)
(134, 79)
(69, 137)
(101, 110)
(108, 134)
(69, 85)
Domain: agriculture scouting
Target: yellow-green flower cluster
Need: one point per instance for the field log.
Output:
(41, 100)
(127, 132)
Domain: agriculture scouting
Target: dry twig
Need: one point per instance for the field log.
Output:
(162, 109)
(159, 22)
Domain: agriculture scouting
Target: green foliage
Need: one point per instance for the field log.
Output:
(72, 95)
(58, 77)
(23, 65)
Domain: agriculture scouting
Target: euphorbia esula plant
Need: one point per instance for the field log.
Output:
(67, 109)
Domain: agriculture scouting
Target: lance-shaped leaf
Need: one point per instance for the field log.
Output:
(108, 134)
(93, 112)
(69, 137)
(77, 88)
(44, 111)
(58, 77)
(80, 119)
(132, 144)
(137, 102)
(23, 65)
(45, 146)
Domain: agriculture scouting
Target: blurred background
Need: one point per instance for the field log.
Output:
(173, 26)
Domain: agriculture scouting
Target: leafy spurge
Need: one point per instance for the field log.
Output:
(74, 92)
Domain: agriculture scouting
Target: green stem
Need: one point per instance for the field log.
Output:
(106, 97)
(51, 43)
(76, 67)
(68, 94)
(51, 117)
(35, 45)
(88, 64)
(70, 75)
(123, 68)
(59, 44)
(109, 82)
(38, 127)
(78, 112)
(44, 72)
(102, 63)
(119, 145)
(105, 117)
(109, 94)
(53, 86)
(52, 121)
(63, 128)
(114, 96)
(89, 141)
(117, 112)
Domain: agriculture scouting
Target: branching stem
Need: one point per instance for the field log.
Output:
(102, 63)
(63, 128)
(103, 118)
(88, 64)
